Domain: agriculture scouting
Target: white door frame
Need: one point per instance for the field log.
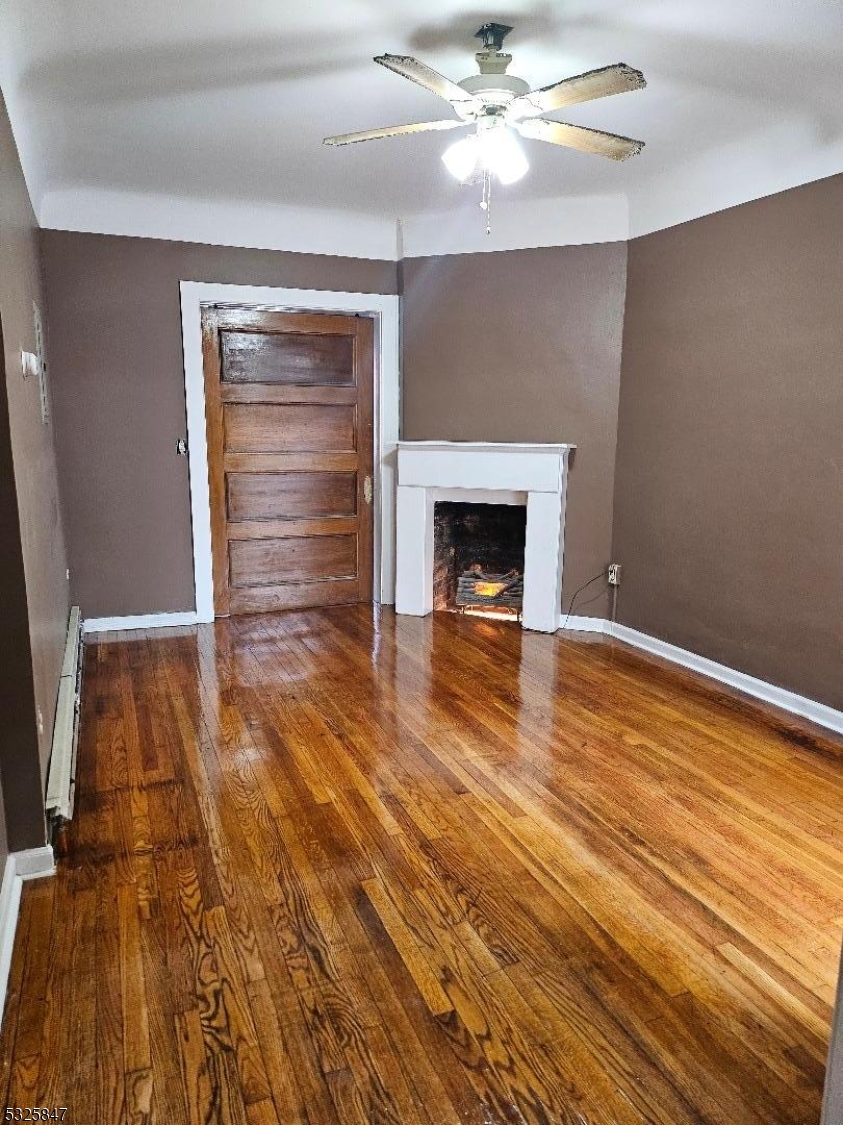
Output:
(384, 310)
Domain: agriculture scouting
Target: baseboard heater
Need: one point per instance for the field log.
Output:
(61, 779)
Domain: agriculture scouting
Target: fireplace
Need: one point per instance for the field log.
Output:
(528, 481)
(478, 557)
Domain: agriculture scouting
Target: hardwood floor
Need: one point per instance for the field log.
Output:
(336, 867)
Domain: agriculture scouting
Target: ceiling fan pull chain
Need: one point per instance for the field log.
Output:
(486, 201)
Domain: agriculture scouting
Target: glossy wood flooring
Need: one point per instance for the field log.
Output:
(334, 868)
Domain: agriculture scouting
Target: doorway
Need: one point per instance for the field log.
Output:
(289, 406)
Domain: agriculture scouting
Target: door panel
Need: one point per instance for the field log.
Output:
(252, 357)
(269, 562)
(263, 428)
(289, 404)
(278, 496)
(292, 595)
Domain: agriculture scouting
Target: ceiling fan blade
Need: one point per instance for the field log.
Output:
(602, 83)
(575, 136)
(393, 131)
(432, 80)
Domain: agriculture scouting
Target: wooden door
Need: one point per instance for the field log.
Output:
(289, 404)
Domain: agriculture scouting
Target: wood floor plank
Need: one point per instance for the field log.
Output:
(341, 866)
(13, 1012)
(56, 1076)
(196, 1079)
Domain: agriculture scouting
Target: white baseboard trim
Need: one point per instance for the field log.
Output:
(584, 624)
(30, 864)
(9, 909)
(819, 713)
(34, 863)
(800, 705)
(141, 621)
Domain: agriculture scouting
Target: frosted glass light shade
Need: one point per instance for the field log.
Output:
(495, 150)
(503, 155)
(462, 159)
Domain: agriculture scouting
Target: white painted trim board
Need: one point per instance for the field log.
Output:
(31, 864)
(385, 309)
(693, 191)
(790, 701)
(274, 226)
(34, 863)
(576, 624)
(430, 471)
(519, 224)
(139, 621)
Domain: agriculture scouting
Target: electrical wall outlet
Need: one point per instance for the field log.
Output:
(614, 574)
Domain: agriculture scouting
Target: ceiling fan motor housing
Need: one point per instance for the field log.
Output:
(492, 85)
(492, 90)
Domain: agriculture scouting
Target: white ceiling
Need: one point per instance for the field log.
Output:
(229, 101)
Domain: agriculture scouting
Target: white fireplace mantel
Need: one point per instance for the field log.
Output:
(483, 473)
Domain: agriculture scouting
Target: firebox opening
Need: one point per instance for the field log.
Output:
(478, 558)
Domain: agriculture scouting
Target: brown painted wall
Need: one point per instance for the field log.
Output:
(20, 776)
(525, 346)
(35, 615)
(727, 498)
(729, 493)
(118, 386)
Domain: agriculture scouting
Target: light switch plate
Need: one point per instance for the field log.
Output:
(29, 364)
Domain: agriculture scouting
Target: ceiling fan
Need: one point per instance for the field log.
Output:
(497, 105)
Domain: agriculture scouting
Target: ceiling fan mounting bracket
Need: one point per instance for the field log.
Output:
(493, 35)
(492, 60)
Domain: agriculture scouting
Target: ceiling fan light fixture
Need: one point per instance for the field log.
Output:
(502, 155)
(495, 151)
(499, 108)
(462, 159)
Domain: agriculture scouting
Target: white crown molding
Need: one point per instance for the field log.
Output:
(516, 225)
(139, 621)
(300, 230)
(726, 178)
(699, 190)
(31, 864)
(800, 705)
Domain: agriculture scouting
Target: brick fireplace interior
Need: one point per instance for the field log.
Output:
(478, 557)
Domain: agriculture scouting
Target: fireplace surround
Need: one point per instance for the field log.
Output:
(482, 473)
